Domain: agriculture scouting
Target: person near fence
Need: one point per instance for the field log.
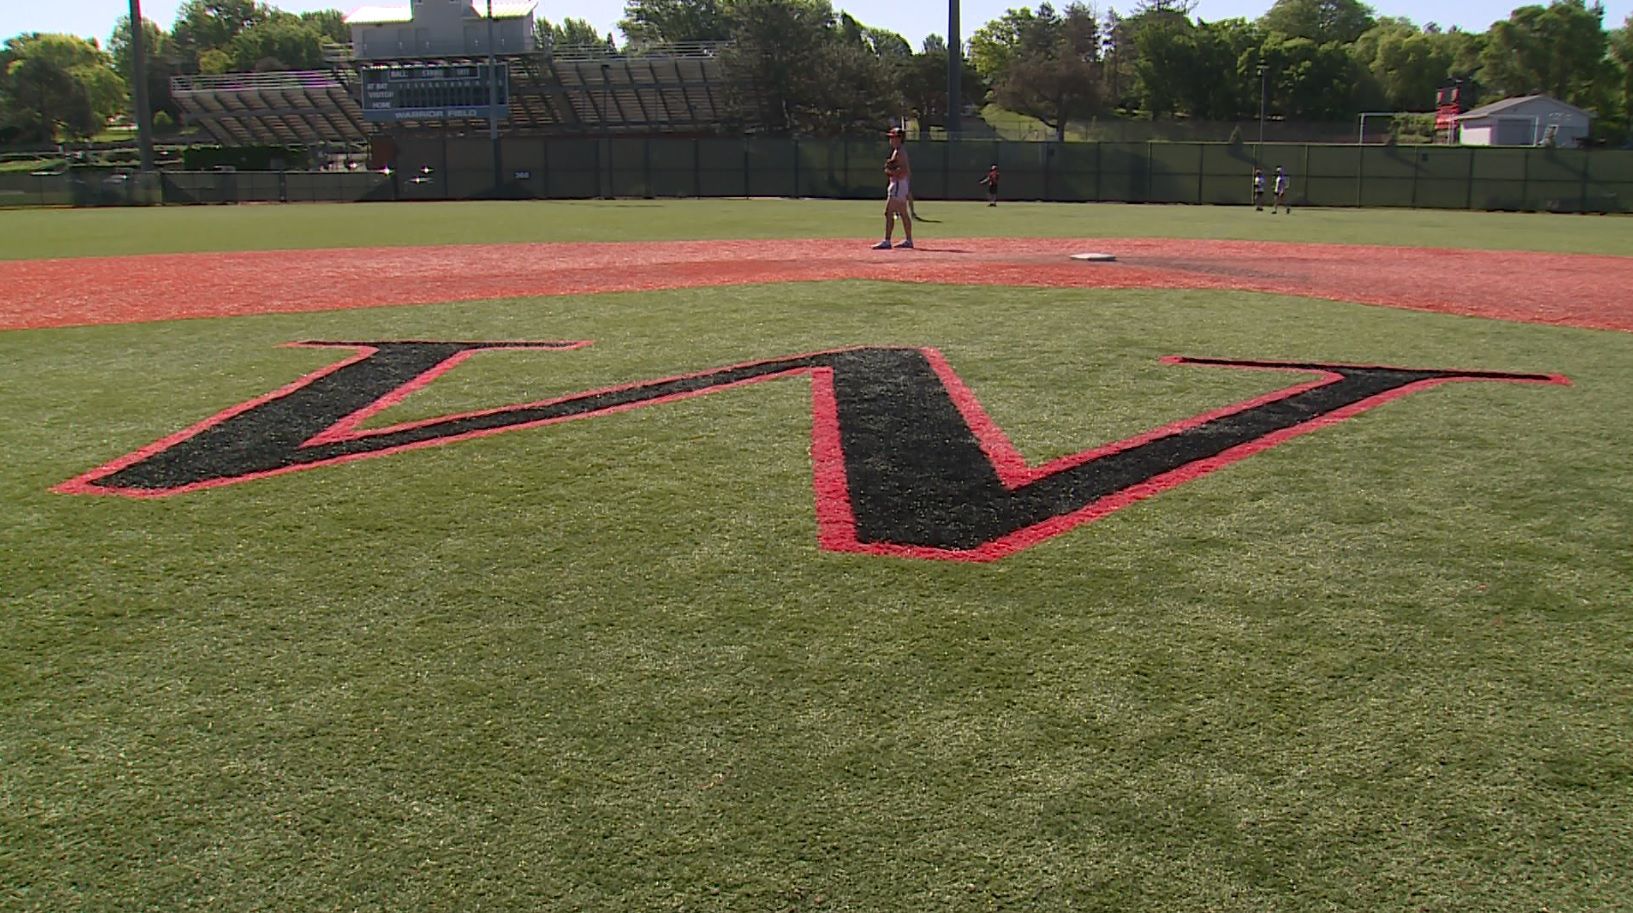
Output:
(899, 172)
(1258, 189)
(1281, 192)
(991, 180)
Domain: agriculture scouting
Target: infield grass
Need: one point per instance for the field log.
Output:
(604, 666)
(27, 233)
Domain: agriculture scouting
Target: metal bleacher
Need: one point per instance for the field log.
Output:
(565, 91)
(674, 88)
(297, 108)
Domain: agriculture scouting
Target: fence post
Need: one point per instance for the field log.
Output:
(746, 186)
(1417, 156)
(796, 168)
(1201, 169)
(1099, 171)
(947, 169)
(1525, 177)
(1587, 157)
(845, 163)
(1304, 170)
(444, 175)
(544, 167)
(1360, 175)
(1048, 170)
(1149, 159)
(1468, 192)
(599, 176)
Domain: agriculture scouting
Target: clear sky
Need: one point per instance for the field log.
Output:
(912, 19)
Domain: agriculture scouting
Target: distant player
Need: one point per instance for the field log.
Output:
(991, 180)
(1258, 189)
(1281, 192)
(899, 173)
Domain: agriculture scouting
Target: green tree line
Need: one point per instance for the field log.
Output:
(801, 67)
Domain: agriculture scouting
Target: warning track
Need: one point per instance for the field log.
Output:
(1562, 289)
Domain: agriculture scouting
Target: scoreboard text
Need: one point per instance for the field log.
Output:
(393, 94)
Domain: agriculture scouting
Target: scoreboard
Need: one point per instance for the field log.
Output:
(392, 94)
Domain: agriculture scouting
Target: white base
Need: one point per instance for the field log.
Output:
(1095, 257)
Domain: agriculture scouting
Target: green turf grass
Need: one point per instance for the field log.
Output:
(603, 665)
(66, 233)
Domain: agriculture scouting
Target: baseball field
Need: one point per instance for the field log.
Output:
(692, 556)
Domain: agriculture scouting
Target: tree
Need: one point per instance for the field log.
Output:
(214, 62)
(1221, 80)
(654, 22)
(1559, 50)
(1405, 64)
(886, 45)
(41, 102)
(923, 81)
(1163, 42)
(1321, 21)
(573, 33)
(211, 25)
(158, 56)
(331, 24)
(1052, 71)
(1313, 81)
(796, 72)
(1621, 54)
(1045, 64)
(280, 42)
(57, 86)
(1015, 34)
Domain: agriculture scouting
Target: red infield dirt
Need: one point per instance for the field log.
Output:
(1562, 289)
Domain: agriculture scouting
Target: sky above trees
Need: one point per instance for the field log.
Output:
(912, 19)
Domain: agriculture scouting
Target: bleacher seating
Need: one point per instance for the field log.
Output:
(305, 107)
(564, 91)
(662, 90)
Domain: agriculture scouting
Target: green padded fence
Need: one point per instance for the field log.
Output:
(463, 167)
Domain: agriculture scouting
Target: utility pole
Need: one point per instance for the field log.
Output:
(955, 70)
(138, 83)
(493, 106)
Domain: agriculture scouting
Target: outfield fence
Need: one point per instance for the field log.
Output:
(452, 168)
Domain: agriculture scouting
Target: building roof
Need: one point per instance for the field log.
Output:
(380, 15)
(373, 15)
(1498, 107)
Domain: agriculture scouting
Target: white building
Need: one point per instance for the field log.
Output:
(441, 28)
(1529, 120)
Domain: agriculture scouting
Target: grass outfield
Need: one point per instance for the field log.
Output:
(604, 665)
(30, 233)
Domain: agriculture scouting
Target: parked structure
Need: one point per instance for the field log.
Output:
(1529, 120)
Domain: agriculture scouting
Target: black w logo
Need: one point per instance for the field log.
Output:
(905, 461)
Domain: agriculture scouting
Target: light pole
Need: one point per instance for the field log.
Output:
(1262, 92)
(493, 107)
(1108, 58)
(606, 120)
(955, 71)
(138, 83)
